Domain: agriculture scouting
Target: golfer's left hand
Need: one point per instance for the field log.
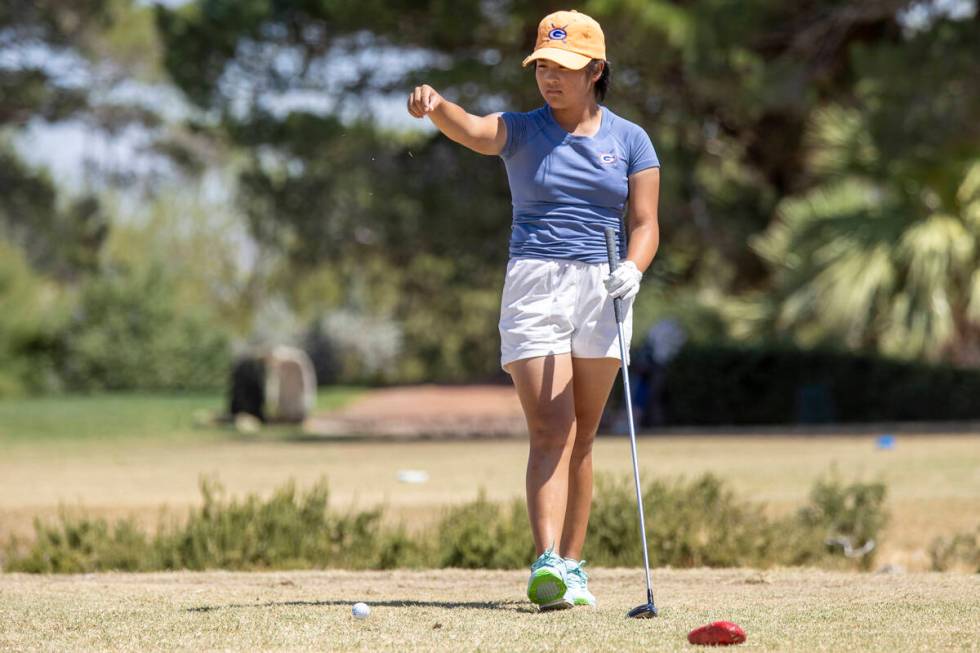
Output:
(624, 282)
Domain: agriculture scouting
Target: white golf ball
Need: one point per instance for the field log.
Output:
(361, 610)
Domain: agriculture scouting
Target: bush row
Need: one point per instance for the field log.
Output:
(735, 385)
(689, 524)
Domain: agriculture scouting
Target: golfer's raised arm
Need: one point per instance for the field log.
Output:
(483, 134)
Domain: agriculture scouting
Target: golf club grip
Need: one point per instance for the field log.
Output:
(611, 247)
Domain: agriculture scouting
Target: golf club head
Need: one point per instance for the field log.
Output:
(645, 611)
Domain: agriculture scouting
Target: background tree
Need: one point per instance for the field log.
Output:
(881, 252)
(728, 91)
(838, 139)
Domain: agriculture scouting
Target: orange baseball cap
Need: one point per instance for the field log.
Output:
(570, 39)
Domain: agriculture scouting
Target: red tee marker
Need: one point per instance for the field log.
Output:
(719, 633)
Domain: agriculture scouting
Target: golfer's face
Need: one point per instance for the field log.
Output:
(561, 87)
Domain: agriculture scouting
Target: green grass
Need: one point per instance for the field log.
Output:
(102, 417)
(336, 397)
(125, 416)
(454, 610)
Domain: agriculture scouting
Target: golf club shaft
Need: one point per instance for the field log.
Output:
(617, 307)
(636, 462)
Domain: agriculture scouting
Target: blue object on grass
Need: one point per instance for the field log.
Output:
(886, 441)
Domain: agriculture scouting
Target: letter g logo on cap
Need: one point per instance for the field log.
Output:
(557, 34)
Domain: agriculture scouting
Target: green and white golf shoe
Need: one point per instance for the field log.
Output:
(547, 585)
(577, 582)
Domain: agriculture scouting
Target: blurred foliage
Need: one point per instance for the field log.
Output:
(960, 551)
(881, 252)
(838, 140)
(60, 58)
(200, 243)
(851, 515)
(758, 111)
(860, 262)
(33, 90)
(32, 315)
(130, 331)
(698, 523)
(720, 384)
(61, 241)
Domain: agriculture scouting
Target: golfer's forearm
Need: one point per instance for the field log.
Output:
(458, 125)
(644, 241)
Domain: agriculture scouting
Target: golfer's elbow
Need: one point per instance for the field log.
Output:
(482, 134)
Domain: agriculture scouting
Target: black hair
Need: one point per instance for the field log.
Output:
(602, 84)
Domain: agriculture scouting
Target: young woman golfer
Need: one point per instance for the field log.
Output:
(572, 165)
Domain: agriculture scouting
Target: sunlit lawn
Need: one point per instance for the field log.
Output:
(456, 610)
(126, 416)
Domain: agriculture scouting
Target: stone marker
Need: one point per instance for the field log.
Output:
(290, 384)
(277, 385)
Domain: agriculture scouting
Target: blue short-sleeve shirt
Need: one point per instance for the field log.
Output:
(567, 189)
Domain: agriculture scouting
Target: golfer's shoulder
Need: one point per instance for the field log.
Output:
(534, 118)
(521, 128)
(636, 145)
(626, 129)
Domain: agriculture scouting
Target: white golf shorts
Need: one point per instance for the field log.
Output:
(552, 306)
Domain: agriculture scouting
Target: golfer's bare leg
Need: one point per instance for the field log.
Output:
(544, 385)
(593, 378)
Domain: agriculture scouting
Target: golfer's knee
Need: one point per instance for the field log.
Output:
(582, 447)
(550, 435)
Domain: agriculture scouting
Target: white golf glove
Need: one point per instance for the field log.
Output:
(624, 281)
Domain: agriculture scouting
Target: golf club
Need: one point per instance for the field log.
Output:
(647, 610)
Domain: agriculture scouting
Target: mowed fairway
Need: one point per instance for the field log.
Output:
(453, 610)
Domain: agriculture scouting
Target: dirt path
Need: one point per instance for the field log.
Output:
(446, 412)
(426, 411)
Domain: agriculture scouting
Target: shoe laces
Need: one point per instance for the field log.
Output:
(576, 575)
(547, 559)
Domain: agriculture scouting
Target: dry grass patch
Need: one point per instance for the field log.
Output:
(800, 610)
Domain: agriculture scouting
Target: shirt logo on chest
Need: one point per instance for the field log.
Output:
(608, 158)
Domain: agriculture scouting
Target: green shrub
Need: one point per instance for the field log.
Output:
(82, 545)
(689, 524)
(287, 531)
(130, 332)
(694, 524)
(853, 513)
(959, 550)
(703, 523)
(484, 535)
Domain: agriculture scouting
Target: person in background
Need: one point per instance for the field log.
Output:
(663, 342)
